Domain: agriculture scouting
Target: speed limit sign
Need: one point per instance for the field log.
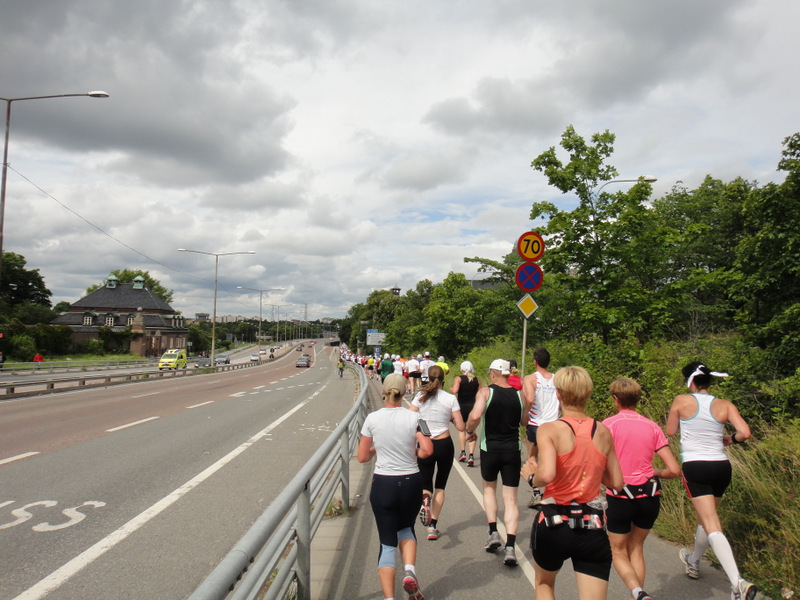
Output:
(530, 246)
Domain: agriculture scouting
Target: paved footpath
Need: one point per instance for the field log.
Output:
(344, 561)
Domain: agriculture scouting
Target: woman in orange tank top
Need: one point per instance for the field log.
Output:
(576, 456)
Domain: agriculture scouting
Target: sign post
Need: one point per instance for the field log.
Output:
(529, 277)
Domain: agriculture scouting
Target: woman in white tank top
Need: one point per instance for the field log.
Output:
(701, 420)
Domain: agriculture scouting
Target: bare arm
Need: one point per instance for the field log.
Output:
(458, 420)
(672, 469)
(456, 386)
(674, 418)
(742, 428)
(546, 471)
(477, 410)
(365, 449)
(425, 446)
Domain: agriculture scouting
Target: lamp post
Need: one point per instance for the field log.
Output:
(260, 302)
(278, 327)
(645, 178)
(216, 256)
(8, 101)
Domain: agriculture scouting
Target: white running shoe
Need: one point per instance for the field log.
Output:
(744, 590)
(692, 569)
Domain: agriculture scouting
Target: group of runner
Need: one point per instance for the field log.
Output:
(570, 456)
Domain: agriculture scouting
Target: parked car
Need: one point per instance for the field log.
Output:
(303, 362)
(223, 359)
(255, 357)
(202, 362)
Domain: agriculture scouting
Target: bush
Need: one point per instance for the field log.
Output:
(93, 346)
(23, 347)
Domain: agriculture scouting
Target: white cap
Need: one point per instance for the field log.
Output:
(500, 365)
(467, 367)
(386, 355)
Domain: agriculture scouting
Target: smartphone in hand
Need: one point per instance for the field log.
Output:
(422, 426)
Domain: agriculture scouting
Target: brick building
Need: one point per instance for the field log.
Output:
(120, 306)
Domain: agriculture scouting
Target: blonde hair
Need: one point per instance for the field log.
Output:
(574, 386)
(394, 387)
(626, 391)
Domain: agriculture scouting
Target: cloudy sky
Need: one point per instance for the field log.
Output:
(358, 144)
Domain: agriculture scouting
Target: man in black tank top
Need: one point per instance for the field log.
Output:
(500, 410)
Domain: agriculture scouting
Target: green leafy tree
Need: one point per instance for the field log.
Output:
(408, 332)
(128, 275)
(20, 285)
(768, 258)
(590, 245)
(31, 314)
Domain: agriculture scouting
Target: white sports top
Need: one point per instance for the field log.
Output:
(545, 407)
(394, 435)
(701, 434)
(437, 411)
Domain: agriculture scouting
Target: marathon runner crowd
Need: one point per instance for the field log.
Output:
(595, 490)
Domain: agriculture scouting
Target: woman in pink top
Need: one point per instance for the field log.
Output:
(633, 509)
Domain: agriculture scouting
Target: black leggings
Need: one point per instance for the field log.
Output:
(441, 460)
(395, 501)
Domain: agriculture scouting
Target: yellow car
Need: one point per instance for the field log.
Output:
(172, 359)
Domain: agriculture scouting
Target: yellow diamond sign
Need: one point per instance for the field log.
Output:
(527, 305)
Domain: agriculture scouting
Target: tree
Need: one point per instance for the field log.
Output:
(20, 285)
(768, 259)
(590, 246)
(128, 275)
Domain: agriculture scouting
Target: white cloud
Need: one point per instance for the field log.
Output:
(356, 145)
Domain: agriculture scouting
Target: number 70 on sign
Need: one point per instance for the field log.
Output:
(530, 246)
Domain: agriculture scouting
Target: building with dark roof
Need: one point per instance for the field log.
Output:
(120, 307)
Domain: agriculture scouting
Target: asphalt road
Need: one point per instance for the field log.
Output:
(137, 491)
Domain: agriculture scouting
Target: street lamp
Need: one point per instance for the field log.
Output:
(216, 256)
(260, 299)
(8, 101)
(645, 178)
(278, 328)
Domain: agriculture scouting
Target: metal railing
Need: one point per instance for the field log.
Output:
(274, 556)
(19, 388)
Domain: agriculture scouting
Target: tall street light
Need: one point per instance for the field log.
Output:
(260, 303)
(278, 329)
(8, 101)
(216, 256)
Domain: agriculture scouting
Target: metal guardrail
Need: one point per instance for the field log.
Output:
(274, 556)
(20, 388)
(60, 366)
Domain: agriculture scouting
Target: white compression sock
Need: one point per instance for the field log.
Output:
(722, 548)
(700, 545)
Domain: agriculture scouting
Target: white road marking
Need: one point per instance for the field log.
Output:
(62, 574)
(17, 457)
(134, 424)
(201, 404)
(522, 561)
(143, 395)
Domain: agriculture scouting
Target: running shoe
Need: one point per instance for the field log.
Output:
(692, 569)
(471, 461)
(536, 497)
(494, 542)
(433, 533)
(411, 586)
(425, 511)
(462, 457)
(510, 558)
(744, 590)
(644, 596)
